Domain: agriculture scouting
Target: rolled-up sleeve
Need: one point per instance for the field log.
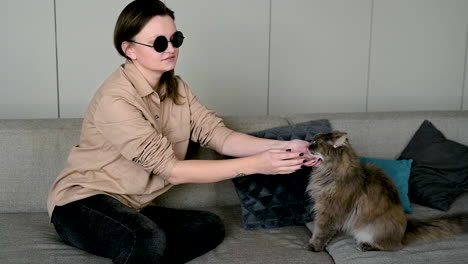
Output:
(207, 128)
(126, 128)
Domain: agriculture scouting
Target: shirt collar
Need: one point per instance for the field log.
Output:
(137, 79)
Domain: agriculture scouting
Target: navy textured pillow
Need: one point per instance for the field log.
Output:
(270, 201)
(439, 173)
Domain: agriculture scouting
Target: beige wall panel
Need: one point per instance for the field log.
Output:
(418, 54)
(319, 55)
(317, 61)
(86, 54)
(224, 58)
(28, 68)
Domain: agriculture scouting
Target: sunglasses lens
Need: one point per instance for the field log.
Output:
(177, 39)
(160, 44)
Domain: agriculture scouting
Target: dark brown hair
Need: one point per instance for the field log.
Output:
(130, 22)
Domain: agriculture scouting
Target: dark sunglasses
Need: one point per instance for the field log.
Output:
(160, 43)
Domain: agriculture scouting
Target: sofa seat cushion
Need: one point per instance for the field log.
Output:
(277, 245)
(30, 238)
(344, 251)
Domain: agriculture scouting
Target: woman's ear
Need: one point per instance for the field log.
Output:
(128, 49)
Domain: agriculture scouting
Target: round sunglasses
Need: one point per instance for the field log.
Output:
(160, 43)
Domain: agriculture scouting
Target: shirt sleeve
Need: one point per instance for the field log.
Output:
(126, 128)
(207, 128)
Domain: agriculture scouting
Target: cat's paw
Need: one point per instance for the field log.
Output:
(315, 247)
(366, 247)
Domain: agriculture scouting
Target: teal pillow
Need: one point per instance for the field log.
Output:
(399, 172)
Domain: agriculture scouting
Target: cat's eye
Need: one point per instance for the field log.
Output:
(313, 144)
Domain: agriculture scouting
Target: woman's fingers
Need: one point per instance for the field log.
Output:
(277, 161)
(288, 163)
(286, 155)
(289, 169)
(314, 162)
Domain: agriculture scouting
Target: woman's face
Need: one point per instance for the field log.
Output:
(150, 62)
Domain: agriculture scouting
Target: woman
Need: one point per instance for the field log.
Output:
(132, 147)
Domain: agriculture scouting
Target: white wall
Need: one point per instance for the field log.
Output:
(418, 54)
(28, 66)
(248, 56)
(85, 50)
(319, 56)
(224, 58)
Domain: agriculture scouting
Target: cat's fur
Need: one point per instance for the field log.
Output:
(361, 200)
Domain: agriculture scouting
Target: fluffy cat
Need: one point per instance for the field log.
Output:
(361, 200)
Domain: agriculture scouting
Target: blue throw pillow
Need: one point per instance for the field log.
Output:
(399, 171)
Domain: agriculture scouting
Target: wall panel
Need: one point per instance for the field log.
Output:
(224, 58)
(319, 56)
(86, 54)
(418, 54)
(314, 56)
(28, 68)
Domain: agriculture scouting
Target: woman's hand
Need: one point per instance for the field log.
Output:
(302, 146)
(278, 161)
(296, 145)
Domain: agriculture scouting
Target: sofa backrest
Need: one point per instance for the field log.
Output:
(385, 134)
(33, 152)
(377, 135)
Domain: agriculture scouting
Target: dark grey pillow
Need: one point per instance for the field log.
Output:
(439, 173)
(270, 201)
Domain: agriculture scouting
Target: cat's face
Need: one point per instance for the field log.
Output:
(325, 147)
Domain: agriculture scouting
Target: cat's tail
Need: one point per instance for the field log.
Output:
(435, 228)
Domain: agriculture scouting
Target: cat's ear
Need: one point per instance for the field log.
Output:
(316, 136)
(341, 140)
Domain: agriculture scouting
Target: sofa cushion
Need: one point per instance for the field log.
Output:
(270, 201)
(440, 169)
(30, 238)
(399, 172)
(344, 251)
(272, 246)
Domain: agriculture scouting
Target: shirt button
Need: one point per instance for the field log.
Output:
(156, 117)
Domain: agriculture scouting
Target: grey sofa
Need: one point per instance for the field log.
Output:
(34, 151)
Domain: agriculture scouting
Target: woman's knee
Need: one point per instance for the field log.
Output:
(217, 226)
(145, 245)
(211, 228)
(203, 233)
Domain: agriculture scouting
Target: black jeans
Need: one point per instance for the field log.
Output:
(104, 226)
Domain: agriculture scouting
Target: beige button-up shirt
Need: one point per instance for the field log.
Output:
(130, 141)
